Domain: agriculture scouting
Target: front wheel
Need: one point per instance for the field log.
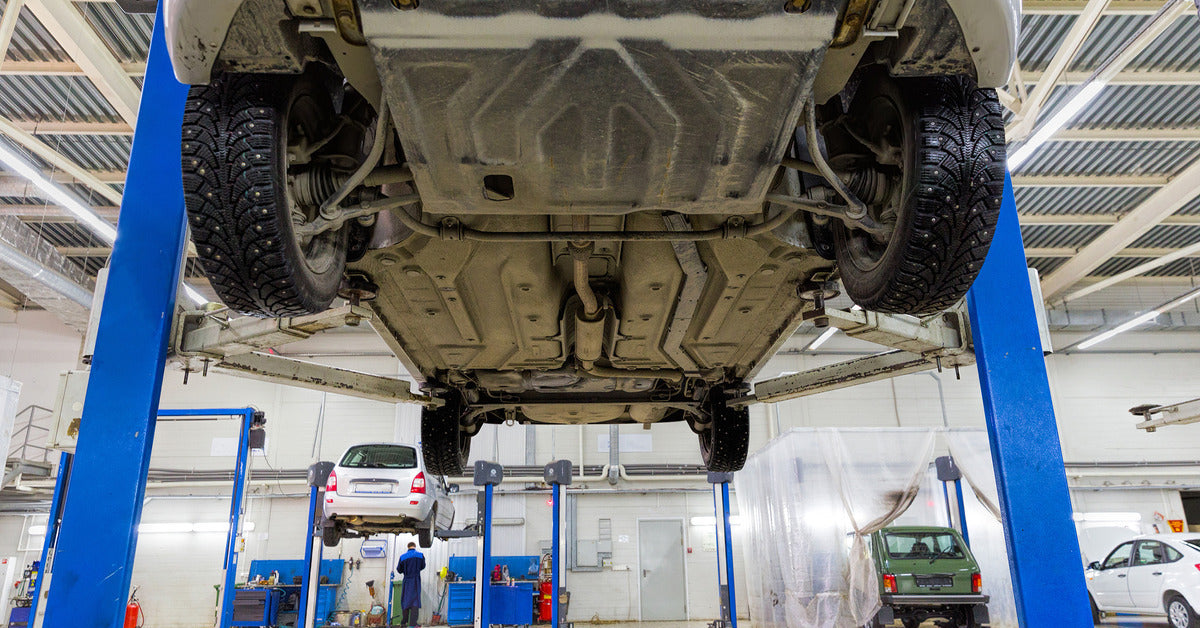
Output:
(1180, 613)
(247, 140)
(725, 441)
(927, 157)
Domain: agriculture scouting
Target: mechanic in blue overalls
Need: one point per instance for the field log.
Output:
(410, 566)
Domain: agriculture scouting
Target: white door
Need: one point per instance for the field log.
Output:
(663, 586)
(1110, 585)
(1146, 576)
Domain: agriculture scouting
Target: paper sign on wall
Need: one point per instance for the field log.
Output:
(222, 446)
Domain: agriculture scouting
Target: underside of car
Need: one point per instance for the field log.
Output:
(568, 213)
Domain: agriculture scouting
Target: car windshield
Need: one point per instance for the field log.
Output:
(918, 545)
(380, 457)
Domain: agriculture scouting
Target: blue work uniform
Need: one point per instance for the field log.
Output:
(410, 566)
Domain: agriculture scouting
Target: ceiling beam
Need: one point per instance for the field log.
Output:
(54, 213)
(1132, 275)
(1135, 134)
(1029, 109)
(8, 25)
(1095, 219)
(72, 127)
(1075, 7)
(1089, 180)
(81, 42)
(1124, 77)
(1069, 251)
(58, 160)
(1165, 201)
(61, 68)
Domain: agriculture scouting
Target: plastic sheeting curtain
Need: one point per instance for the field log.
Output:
(811, 497)
(973, 455)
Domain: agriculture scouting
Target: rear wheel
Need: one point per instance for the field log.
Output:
(425, 535)
(246, 140)
(927, 157)
(331, 536)
(1180, 613)
(725, 441)
(445, 444)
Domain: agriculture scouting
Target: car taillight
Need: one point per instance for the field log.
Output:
(331, 483)
(889, 583)
(418, 485)
(976, 583)
(1198, 567)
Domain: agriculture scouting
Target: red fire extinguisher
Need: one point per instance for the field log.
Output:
(545, 605)
(133, 611)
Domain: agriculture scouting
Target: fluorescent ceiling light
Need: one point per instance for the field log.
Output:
(64, 198)
(1139, 320)
(37, 530)
(55, 192)
(825, 335)
(194, 295)
(735, 520)
(1061, 118)
(828, 333)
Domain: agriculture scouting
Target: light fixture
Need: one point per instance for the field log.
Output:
(160, 528)
(1140, 320)
(735, 520)
(1044, 131)
(828, 333)
(55, 192)
(64, 198)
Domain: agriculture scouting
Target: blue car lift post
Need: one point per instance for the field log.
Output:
(726, 590)
(250, 419)
(97, 538)
(488, 475)
(557, 474)
(1043, 548)
(949, 473)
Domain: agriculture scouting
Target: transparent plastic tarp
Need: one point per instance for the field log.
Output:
(811, 497)
(973, 456)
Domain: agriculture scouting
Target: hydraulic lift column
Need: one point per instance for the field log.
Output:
(726, 593)
(488, 475)
(948, 472)
(557, 474)
(318, 475)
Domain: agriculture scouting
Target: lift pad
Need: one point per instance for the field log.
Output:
(1175, 414)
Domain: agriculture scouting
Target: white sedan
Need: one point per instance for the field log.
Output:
(1154, 575)
(383, 488)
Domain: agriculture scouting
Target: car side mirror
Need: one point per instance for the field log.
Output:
(1096, 566)
(452, 489)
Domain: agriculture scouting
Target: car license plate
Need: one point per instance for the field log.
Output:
(934, 582)
(373, 489)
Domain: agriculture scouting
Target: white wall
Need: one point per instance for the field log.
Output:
(177, 572)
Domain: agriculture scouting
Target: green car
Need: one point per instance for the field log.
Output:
(927, 573)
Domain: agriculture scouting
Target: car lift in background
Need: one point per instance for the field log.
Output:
(96, 537)
(726, 590)
(947, 473)
(251, 435)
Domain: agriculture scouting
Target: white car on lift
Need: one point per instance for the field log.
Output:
(384, 488)
(1156, 574)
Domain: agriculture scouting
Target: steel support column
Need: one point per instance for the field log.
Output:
(94, 558)
(236, 506)
(1043, 550)
(307, 579)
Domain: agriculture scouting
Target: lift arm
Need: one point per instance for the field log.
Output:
(1176, 414)
(241, 345)
(919, 345)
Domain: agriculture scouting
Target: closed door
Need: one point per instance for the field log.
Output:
(660, 551)
(1146, 575)
(1110, 585)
